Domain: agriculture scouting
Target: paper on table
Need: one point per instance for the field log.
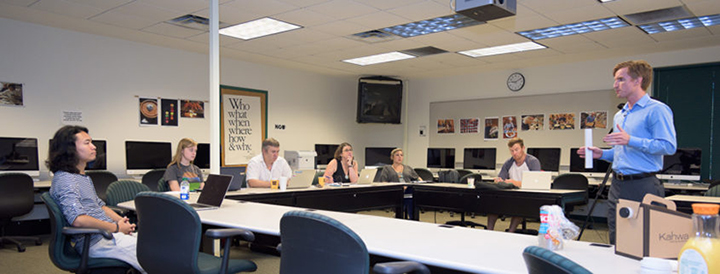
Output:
(588, 152)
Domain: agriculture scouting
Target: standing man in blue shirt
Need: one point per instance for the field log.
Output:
(643, 133)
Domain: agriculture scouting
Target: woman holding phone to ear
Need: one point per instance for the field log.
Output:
(343, 168)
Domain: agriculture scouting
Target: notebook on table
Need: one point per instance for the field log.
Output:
(302, 179)
(539, 180)
(213, 193)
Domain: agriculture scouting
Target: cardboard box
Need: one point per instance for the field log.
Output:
(647, 230)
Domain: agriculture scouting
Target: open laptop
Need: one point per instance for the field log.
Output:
(213, 193)
(536, 180)
(302, 179)
(367, 176)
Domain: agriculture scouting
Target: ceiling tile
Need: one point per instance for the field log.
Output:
(172, 30)
(681, 34)
(303, 17)
(230, 15)
(182, 6)
(66, 8)
(378, 20)
(715, 30)
(262, 8)
(701, 8)
(422, 11)
(400, 44)
(524, 23)
(580, 14)
(340, 28)
(102, 4)
(343, 9)
(571, 44)
(304, 3)
(385, 4)
(635, 6)
(544, 6)
(621, 37)
(148, 12)
(23, 3)
(123, 20)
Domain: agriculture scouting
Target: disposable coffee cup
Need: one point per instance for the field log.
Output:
(471, 182)
(283, 183)
(274, 183)
(321, 181)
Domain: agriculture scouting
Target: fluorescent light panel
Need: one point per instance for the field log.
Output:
(379, 58)
(681, 24)
(575, 28)
(433, 25)
(605, 1)
(519, 47)
(258, 28)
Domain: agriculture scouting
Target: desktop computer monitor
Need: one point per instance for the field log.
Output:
(325, 154)
(549, 157)
(480, 158)
(441, 158)
(19, 154)
(683, 165)
(202, 157)
(377, 156)
(577, 164)
(141, 157)
(100, 162)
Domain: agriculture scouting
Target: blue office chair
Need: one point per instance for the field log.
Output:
(62, 253)
(314, 243)
(543, 261)
(170, 238)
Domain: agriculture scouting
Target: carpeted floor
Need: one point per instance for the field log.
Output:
(36, 260)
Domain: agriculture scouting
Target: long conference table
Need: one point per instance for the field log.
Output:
(457, 249)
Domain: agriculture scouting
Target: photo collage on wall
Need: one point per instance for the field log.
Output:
(11, 94)
(153, 111)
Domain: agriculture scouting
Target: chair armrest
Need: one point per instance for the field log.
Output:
(400, 267)
(120, 211)
(279, 248)
(83, 231)
(230, 232)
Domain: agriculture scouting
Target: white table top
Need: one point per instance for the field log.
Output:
(459, 248)
(694, 198)
(463, 186)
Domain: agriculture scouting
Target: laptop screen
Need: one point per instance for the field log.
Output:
(215, 188)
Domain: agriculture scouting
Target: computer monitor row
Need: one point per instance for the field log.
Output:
(684, 164)
(21, 154)
(374, 156)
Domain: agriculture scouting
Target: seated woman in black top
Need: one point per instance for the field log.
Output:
(343, 168)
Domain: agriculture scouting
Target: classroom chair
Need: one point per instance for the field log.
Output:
(314, 243)
(62, 253)
(543, 261)
(425, 173)
(171, 234)
(462, 221)
(152, 177)
(101, 180)
(17, 198)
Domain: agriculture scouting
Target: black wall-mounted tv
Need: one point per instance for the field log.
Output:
(379, 100)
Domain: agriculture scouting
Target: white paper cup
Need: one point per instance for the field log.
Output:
(283, 183)
(471, 182)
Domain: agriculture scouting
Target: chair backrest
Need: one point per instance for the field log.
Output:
(477, 176)
(318, 174)
(574, 181)
(463, 172)
(170, 237)
(61, 251)
(314, 243)
(101, 179)
(162, 185)
(449, 176)
(16, 195)
(713, 191)
(543, 261)
(123, 191)
(152, 177)
(424, 173)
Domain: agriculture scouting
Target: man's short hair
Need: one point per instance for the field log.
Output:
(516, 140)
(637, 68)
(270, 142)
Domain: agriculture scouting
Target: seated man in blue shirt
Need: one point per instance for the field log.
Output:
(70, 151)
(511, 173)
(643, 133)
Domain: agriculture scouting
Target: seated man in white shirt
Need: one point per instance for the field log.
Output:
(267, 166)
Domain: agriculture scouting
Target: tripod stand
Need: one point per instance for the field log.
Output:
(600, 190)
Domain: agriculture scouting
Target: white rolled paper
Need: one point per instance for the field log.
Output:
(588, 152)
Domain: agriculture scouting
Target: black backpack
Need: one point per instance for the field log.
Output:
(449, 176)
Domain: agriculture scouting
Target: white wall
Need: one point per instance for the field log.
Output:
(66, 70)
(580, 76)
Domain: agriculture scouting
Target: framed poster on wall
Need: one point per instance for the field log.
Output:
(243, 126)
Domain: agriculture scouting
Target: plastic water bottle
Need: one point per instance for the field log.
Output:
(185, 190)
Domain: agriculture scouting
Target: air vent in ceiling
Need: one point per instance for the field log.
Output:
(374, 36)
(660, 15)
(424, 51)
(193, 22)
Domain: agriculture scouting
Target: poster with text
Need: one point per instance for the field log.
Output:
(192, 109)
(594, 119)
(11, 94)
(148, 110)
(243, 124)
(446, 126)
(561, 121)
(509, 127)
(169, 112)
(533, 122)
(491, 128)
(469, 125)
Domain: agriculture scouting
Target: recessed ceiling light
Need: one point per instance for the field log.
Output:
(503, 49)
(605, 1)
(575, 28)
(258, 28)
(379, 58)
(681, 24)
(433, 25)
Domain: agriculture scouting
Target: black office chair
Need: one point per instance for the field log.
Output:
(463, 222)
(62, 253)
(17, 198)
(463, 172)
(425, 174)
(152, 177)
(573, 181)
(314, 243)
(101, 180)
(543, 261)
(170, 238)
